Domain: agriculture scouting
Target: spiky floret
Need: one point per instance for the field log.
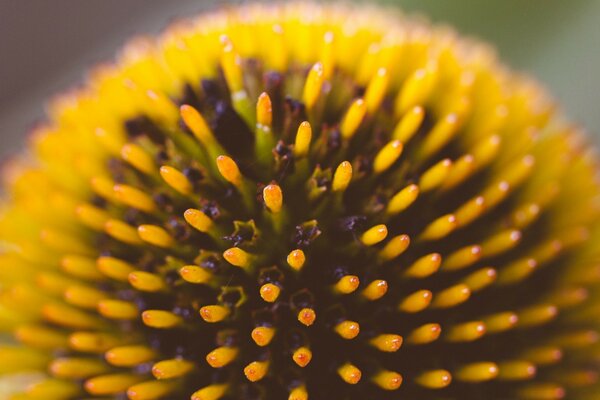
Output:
(303, 201)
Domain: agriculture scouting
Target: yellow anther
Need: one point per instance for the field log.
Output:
(388, 343)
(135, 198)
(404, 198)
(273, 197)
(477, 372)
(269, 292)
(138, 158)
(262, 335)
(303, 139)
(214, 313)
(198, 219)
(302, 356)
(155, 235)
(387, 156)
(424, 334)
(374, 235)
(296, 259)
(347, 329)
(161, 319)
(353, 118)
(342, 177)
(349, 373)
(229, 170)
(176, 179)
(312, 87)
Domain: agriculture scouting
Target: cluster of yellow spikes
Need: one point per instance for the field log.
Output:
(464, 174)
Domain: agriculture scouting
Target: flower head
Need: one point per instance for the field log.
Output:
(302, 201)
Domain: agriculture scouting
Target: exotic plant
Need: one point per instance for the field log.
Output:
(302, 201)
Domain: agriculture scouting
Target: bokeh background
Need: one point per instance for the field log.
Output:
(45, 46)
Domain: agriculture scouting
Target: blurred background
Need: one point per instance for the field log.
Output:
(46, 46)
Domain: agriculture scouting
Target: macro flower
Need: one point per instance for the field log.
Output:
(303, 201)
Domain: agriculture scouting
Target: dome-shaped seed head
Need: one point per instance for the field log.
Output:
(303, 202)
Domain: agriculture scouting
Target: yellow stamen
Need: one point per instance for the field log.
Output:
(388, 343)
(303, 139)
(41, 337)
(409, 124)
(466, 332)
(537, 315)
(451, 296)
(302, 356)
(516, 370)
(84, 296)
(376, 90)
(375, 290)
(81, 267)
(176, 179)
(424, 266)
(480, 279)
(146, 281)
(273, 197)
(307, 316)
(122, 232)
(462, 258)
(135, 198)
(77, 368)
(347, 284)
(196, 123)
(374, 235)
(118, 309)
(138, 158)
(403, 199)
(195, 274)
(416, 88)
(434, 176)
(129, 356)
(342, 177)
(347, 329)
(439, 228)
(93, 342)
(106, 385)
(264, 111)
(151, 390)
(221, 356)
(256, 370)
(269, 292)
(212, 392)
(70, 317)
(436, 379)
(349, 373)
(298, 393)
(424, 334)
(198, 219)
(214, 313)
(92, 216)
(238, 257)
(296, 259)
(387, 156)
(546, 391)
(500, 322)
(262, 335)
(114, 268)
(161, 319)
(155, 235)
(229, 170)
(173, 368)
(477, 372)
(387, 380)
(353, 118)
(394, 247)
(312, 87)
(53, 389)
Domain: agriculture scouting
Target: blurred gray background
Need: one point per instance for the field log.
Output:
(46, 46)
